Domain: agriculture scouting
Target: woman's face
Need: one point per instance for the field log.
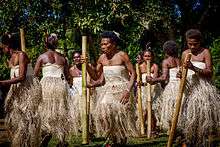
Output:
(107, 46)
(193, 45)
(147, 56)
(76, 58)
(5, 48)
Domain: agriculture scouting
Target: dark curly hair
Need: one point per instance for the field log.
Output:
(11, 40)
(111, 35)
(193, 34)
(170, 48)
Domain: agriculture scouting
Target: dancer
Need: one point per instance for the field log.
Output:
(53, 108)
(23, 98)
(114, 114)
(170, 67)
(155, 89)
(201, 107)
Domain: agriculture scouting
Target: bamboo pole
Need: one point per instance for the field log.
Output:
(149, 104)
(140, 110)
(22, 39)
(85, 118)
(178, 102)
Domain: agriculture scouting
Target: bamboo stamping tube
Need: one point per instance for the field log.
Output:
(178, 102)
(85, 118)
(22, 40)
(149, 104)
(140, 110)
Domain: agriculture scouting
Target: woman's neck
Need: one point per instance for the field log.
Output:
(111, 54)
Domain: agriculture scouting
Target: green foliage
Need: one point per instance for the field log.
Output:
(215, 51)
(5, 72)
(70, 19)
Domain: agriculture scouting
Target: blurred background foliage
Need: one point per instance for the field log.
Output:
(137, 22)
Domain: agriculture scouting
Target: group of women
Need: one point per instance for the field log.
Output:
(36, 111)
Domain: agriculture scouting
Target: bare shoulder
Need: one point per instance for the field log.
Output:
(206, 51)
(165, 62)
(186, 52)
(101, 58)
(123, 55)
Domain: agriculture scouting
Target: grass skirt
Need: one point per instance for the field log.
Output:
(22, 117)
(75, 106)
(201, 111)
(111, 117)
(54, 107)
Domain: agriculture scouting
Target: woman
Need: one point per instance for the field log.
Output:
(201, 107)
(170, 67)
(53, 108)
(114, 114)
(23, 98)
(148, 55)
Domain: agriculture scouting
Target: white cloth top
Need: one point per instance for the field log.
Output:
(197, 64)
(15, 71)
(115, 71)
(53, 70)
(144, 75)
(172, 74)
(77, 85)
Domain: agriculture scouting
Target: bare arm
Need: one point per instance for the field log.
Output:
(37, 67)
(22, 70)
(164, 77)
(131, 70)
(155, 71)
(97, 83)
(95, 72)
(66, 71)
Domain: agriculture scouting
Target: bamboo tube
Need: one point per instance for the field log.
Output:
(22, 40)
(140, 110)
(178, 102)
(85, 118)
(149, 105)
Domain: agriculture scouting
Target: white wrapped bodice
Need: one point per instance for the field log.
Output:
(116, 72)
(52, 70)
(77, 85)
(172, 74)
(15, 71)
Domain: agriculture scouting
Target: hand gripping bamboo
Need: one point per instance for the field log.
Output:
(149, 104)
(178, 102)
(85, 116)
(22, 39)
(140, 110)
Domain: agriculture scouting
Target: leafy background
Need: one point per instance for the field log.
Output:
(137, 22)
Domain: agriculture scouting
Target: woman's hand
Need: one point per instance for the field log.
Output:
(83, 59)
(149, 79)
(125, 97)
(179, 74)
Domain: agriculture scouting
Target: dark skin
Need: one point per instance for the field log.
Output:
(76, 69)
(198, 54)
(112, 56)
(51, 57)
(169, 62)
(147, 56)
(16, 58)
